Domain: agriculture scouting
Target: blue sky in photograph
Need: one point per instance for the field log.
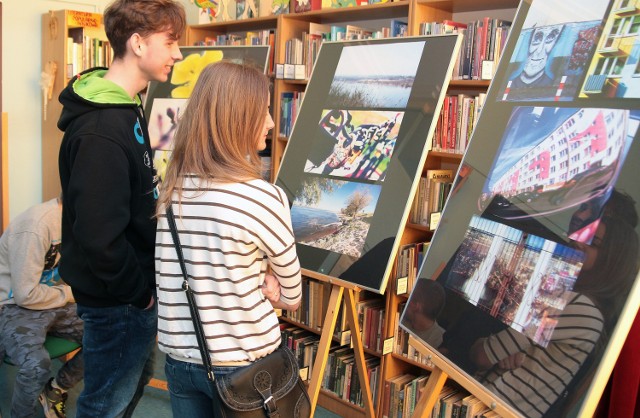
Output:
(338, 199)
(551, 12)
(392, 59)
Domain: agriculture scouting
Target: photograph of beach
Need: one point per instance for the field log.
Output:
(334, 215)
(370, 76)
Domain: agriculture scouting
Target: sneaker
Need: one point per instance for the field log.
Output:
(53, 401)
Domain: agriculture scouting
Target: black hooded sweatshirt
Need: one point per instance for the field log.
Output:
(109, 191)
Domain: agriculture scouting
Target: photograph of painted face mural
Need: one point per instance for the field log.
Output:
(553, 50)
(542, 42)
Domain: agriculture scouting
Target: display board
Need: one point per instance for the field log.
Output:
(165, 100)
(357, 148)
(537, 248)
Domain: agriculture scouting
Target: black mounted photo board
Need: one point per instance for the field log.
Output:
(357, 149)
(537, 248)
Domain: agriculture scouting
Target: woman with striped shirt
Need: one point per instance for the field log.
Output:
(532, 378)
(234, 227)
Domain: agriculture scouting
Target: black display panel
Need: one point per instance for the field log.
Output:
(357, 148)
(164, 100)
(537, 248)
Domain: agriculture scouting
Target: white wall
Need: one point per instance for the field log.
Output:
(21, 93)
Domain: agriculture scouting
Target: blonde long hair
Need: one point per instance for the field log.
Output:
(218, 132)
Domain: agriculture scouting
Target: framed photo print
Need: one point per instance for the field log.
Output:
(357, 150)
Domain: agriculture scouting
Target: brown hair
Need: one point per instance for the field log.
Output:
(610, 280)
(218, 132)
(123, 18)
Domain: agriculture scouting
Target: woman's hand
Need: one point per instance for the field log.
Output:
(271, 288)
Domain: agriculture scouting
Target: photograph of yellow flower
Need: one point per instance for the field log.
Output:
(164, 101)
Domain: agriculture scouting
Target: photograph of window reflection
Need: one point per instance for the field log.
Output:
(364, 80)
(554, 49)
(521, 279)
(354, 144)
(614, 71)
(553, 162)
(334, 215)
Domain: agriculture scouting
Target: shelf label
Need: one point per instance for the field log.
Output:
(401, 285)
(434, 220)
(304, 374)
(345, 337)
(87, 20)
(387, 346)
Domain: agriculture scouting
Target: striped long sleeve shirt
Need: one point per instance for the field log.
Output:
(230, 234)
(546, 371)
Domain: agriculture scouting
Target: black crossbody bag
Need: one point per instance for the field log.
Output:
(268, 387)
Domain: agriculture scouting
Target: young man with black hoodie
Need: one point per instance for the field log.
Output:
(110, 188)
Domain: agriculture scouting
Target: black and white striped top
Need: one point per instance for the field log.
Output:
(545, 372)
(230, 235)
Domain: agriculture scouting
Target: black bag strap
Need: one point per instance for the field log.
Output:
(193, 308)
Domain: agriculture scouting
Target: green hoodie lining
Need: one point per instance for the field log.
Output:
(94, 88)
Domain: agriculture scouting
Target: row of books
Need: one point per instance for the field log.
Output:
(304, 50)
(303, 344)
(341, 375)
(433, 189)
(290, 103)
(261, 37)
(370, 313)
(84, 52)
(401, 394)
(228, 10)
(457, 119)
(454, 402)
(315, 297)
(401, 342)
(408, 264)
(482, 46)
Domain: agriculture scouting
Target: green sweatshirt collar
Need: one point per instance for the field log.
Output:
(93, 87)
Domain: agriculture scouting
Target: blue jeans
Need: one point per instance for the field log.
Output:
(118, 347)
(192, 393)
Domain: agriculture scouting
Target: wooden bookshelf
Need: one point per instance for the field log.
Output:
(57, 26)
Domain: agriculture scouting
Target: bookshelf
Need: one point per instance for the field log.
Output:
(374, 17)
(57, 52)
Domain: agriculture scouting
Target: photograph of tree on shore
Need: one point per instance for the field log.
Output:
(355, 85)
(354, 144)
(334, 215)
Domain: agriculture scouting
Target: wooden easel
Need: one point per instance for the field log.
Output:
(441, 372)
(338, 288)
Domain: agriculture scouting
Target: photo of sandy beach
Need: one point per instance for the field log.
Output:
(334, 215)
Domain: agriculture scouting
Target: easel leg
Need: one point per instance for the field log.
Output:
(430, 394)
(324, 345)
(358, 349)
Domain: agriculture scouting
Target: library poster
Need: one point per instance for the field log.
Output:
(357, 149)
(536, 254)
(164, 101)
